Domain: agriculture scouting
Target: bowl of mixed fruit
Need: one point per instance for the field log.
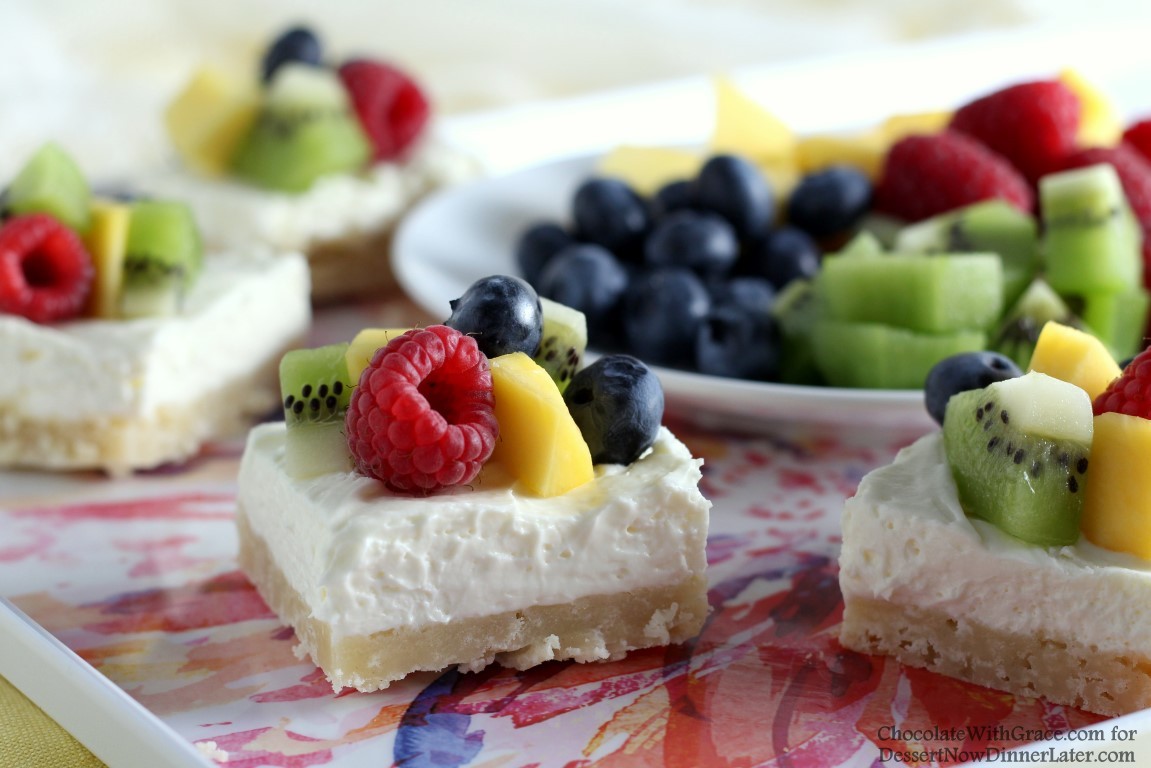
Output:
(832, 272)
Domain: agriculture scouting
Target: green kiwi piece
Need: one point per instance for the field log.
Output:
(1019, 330)
(1117, 318)
(163, 257)
(564, 341)
(879, 356)
(930, 294)
(796, 310)
(305, 129)
(990, 226)
(51, 183)
(315, 390)
(1089, 241)
(863, 245)
(1019, 452)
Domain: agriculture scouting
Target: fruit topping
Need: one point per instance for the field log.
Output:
(880, 356)
(107, 244)
(609, 213)
(210, 116)
(784, 254)
(364, 346)
(1019, 450)
(163, 257)
(1074, 356)
(963, 372)
(733, 187)
(539, 443)
(392, 109)
(617, 402)
(315, 388)
(305, 129)
(298, 45)
(738, 342)
(662, 313)
(1021, 325)
(1115, 506)
(1130, 392)
(1033, 125)
(421, 417)
(588, 278)
(924, 176)
(563, 341)
(703, 242)
(537, 246)
(830, 202)
(1138, 137)
(45, 272)
(51, 183)
(502, 313)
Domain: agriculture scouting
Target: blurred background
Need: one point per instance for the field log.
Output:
(107, 67)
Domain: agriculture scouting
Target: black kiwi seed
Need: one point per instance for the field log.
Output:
(1036, 468)
(979, 413)
(314, 405)
(1010, 449)
(1072, 483)
(289, 401)
(331, 402)
(306, 391)
(1004, 417)
(298, 407)
(1018, 457)
(323, 390)
(1081, 465)
(992, 443)
(338, 388)
(1064, 459)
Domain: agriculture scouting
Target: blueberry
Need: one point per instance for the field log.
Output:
(959, 373)
(702, 242)
(537, 245)
(661, 315)
(673, 196)
(502, 312)
(783, 255)
(754, 293)
(738, 342)
(609, 213)
(617, 403)
(830, 202)
(589, 278)
(297, 44)
(736, 189)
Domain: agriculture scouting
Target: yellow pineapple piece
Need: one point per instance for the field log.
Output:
(897, 126)
(364, 346)
(1074, 356)
(539, 443)
(744, 127)
(646, 169)
(210, 116)
(1100, 124)
(106, 241)
(1117, 500)
(864, 150)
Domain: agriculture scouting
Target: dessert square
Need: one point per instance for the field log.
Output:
(939, 590)
(378, 585)
(125, 394)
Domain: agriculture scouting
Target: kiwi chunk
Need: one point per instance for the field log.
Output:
(1021, 325)
(305, 129)
(316, 390)
(51, 183)
(1090, 243)
(796, 310)
(563, 342)
(162, 259)
(930, 294)
(1019, 450)
(882, 356)
(990, 226)
(1117, 318)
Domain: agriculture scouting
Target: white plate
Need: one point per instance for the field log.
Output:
(468, 232)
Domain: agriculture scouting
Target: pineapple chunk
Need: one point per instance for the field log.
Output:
(864, 151)
(646, 169)
(1074, 356)
(743, 127)
(539, 443)
(1117, 501)
(363, 347)
(1100, 124)
(210, 116)
(898, 126)
(107, 242)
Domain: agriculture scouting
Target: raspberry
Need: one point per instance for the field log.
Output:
(1138, 137)
(1130, 393)
(422, 415)
(392, 109)
(1135, 175)
(1033, 124)
(926, 175)
(45, 272)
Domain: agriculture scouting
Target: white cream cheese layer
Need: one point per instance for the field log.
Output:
(906, 540)
(367, 560)
(240, 312)
(235, 216)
